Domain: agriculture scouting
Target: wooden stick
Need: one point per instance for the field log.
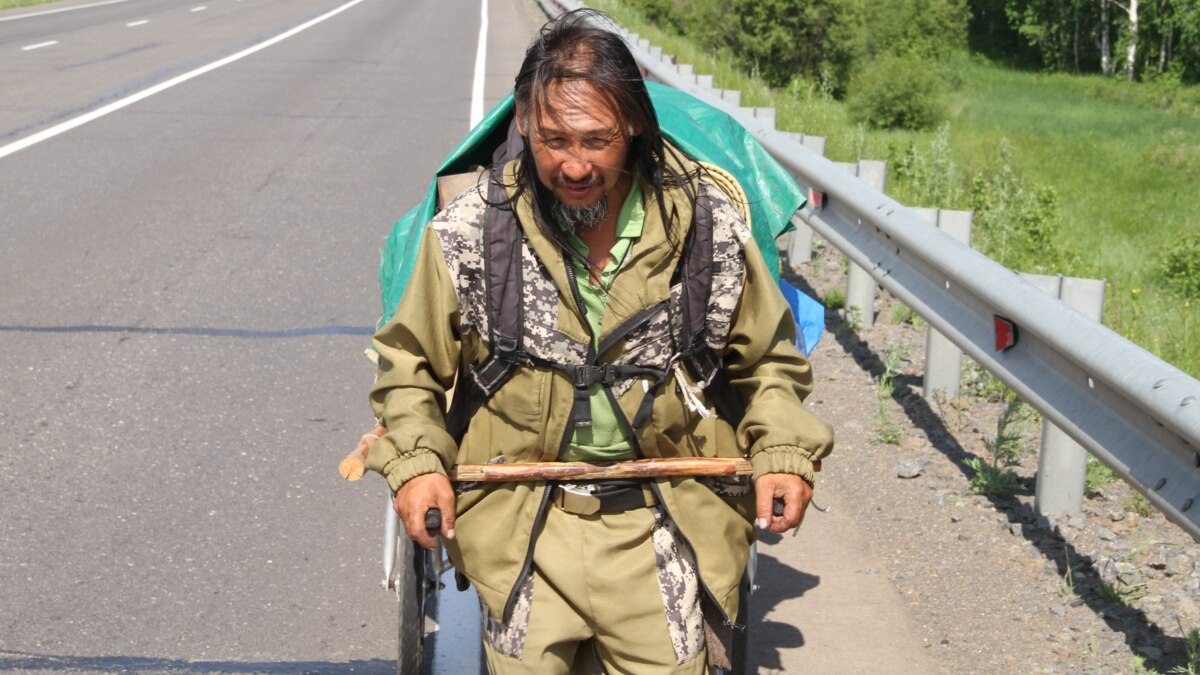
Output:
(640, 468)
(354, 465)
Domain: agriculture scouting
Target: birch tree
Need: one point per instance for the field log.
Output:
(1130, 38)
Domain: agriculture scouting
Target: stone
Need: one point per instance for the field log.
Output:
(1178, 565)
(911, 468)
(1187, 606)
(1058, 610)
(1129, 575)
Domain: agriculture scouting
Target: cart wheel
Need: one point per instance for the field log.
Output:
(410, 589)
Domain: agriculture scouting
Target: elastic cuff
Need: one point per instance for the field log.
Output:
(783, 459)
(400, 471)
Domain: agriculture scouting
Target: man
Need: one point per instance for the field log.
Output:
(642, 576)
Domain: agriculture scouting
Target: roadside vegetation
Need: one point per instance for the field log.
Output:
(1073, 160)
(11, 4)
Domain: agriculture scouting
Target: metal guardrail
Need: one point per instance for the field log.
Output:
(1133, 411)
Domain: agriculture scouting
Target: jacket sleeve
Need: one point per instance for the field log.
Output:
(418, 358)
(762, 362)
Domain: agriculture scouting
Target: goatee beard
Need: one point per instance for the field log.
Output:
(585, 217)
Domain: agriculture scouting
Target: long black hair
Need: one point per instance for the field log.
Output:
(577, 47)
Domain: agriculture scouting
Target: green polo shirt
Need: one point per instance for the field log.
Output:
(604, 441)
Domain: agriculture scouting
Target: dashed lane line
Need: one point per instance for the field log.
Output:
(39, 45)
(46, 134)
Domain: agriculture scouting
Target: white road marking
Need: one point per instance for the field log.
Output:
(201, 8)
(143, 22)
(60, 9)
(480, 66)
(96, 114)
(39, 45)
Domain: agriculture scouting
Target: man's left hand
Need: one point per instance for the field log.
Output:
(795, 492)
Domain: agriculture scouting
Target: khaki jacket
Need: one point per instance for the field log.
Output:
(429, 339)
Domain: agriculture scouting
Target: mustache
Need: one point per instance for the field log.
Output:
(590, 180)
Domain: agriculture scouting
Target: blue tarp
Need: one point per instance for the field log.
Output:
(700, 130)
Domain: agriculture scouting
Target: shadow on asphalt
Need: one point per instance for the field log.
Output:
(777, 582)
(22, 662)
(1129, 621)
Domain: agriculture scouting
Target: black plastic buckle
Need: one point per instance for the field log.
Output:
(506, 344)
(585, 376)
(581, 376)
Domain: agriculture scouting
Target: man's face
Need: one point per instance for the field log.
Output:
(581, 149)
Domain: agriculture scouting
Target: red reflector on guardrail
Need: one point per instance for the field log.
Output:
(815, 199)
(1006, 333)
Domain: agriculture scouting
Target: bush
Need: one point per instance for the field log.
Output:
(1018, 226)
(1179, 267)
(931, 179)
(897, 92)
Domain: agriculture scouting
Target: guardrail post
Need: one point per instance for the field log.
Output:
(860, 285)
(943, 359)
(731, 96)
(1062, 463)
(765, 116)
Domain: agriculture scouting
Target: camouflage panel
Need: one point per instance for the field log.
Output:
(650, 344)
(540, 305)
(730, 487)
(680, 586)
(730, 235)
(508, 638)
(459, 228)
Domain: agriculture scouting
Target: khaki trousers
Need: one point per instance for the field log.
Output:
(616, 588)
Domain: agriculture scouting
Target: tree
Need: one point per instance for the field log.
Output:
(929, 29)
(783, 39)
(1131, 37)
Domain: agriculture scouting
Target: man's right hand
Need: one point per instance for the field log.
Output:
(418, 495)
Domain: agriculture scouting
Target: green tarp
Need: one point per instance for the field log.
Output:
(700, 130)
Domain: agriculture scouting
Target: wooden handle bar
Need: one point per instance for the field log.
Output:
(639, 468)
(353, 467)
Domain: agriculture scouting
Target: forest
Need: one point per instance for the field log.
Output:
(781, 39)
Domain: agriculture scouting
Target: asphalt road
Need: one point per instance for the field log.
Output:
(186, 288)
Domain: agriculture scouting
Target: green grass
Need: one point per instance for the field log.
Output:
(1123, 160)
(10, 4)
(1123, 171)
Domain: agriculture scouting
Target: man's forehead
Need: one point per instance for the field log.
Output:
(575, 107)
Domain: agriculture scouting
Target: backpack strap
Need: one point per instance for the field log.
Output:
(700, 359)
(503, 282)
